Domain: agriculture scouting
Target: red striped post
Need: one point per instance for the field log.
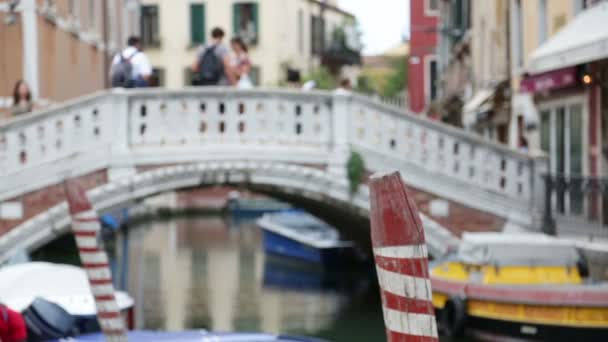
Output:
(94, 259)
(401, 261)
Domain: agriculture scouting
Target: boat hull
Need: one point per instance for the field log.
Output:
(280, 245)
(493, 329)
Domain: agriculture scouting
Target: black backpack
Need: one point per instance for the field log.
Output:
(211, 67)
(122, 72)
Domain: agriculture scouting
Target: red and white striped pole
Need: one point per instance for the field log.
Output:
(401, 261)
(86, 229)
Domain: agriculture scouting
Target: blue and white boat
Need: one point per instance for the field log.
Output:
(299, 235)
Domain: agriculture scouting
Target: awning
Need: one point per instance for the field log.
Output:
(557, 79)
(480, 103)
(583, 40)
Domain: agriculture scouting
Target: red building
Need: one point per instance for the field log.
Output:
(424, 23)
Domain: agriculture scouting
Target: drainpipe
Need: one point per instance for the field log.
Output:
(106, 52)
(29, 23)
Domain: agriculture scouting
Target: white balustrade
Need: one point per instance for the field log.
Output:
(118, 127)
(441, 154)
(32, 141)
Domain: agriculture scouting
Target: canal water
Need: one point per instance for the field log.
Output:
(211, 273)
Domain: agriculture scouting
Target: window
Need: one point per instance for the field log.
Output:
(316, 36)
(431, 7)
(73, 8)
(188, 76)
(542, 21)
(562, 137)
(300, 31)
(150, 26)
(197, 24)
(255, 75)
(432, 79)
(158, 77)
(246, 22)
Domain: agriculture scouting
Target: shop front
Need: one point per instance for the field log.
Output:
(568, 82)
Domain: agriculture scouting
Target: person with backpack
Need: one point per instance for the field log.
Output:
(12, 325)
(212, 65)
(131, 68)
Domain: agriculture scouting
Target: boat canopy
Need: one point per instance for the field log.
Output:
(529, 249)
(64, 285)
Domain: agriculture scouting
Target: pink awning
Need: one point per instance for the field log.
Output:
(551, 80)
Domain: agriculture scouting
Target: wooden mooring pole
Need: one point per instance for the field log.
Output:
(401, 261)
(87, 232)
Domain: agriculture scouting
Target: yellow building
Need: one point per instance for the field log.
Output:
(532, 24)
(281, 34)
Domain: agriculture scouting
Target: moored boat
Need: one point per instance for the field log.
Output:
(254, 207)
(298, 235)
(55, 299)
(197, 336)
(528, 286)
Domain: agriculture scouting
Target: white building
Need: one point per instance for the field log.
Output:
(282, 34)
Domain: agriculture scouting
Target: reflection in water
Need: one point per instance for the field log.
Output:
(201, 273)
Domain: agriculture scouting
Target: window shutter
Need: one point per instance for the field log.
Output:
(236, 18)
(197, 23)
(257, 23)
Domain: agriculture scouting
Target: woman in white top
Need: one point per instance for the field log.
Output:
(242, 64)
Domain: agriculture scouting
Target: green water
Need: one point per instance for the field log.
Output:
(209, 273)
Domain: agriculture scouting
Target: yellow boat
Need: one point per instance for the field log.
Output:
(526, 286)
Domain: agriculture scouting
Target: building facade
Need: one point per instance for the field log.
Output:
(423, 68)
(487, 109)
(563, 76)
(281, 34)
(454, 59)
(61, 48)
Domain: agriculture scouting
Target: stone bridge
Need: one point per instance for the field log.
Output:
(125, 145)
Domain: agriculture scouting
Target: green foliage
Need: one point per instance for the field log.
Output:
(364, 85)
(355, 168)
(397, 81)
(324, 79)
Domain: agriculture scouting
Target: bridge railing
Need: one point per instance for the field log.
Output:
(218, 117)
(39, 140)
(135, 127)
(447, 160)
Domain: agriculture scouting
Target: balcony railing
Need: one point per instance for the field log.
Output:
(576, 204)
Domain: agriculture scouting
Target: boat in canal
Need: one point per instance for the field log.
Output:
(244, 207)
(298, 235)
(55, 299)
(527, 286)
(196, 336)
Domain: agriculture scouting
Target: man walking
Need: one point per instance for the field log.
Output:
(131, 68)
(212, 65)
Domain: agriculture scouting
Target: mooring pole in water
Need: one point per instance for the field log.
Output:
(401, 261)
(87, 232)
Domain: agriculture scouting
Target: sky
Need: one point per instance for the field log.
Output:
(382, 22)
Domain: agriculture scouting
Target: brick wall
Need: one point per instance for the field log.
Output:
(41, 200)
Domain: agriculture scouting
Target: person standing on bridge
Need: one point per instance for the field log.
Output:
(12, 325)
(22, 99)
(212, 65)
(131, 68)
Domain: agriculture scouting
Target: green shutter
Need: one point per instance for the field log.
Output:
(197, 23)
(236, 18)
(257, 23)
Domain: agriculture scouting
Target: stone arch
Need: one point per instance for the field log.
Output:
(307, 184)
